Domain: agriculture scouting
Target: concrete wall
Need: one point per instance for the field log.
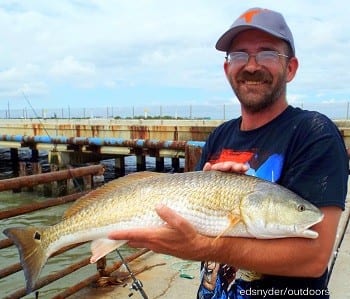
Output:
(176, 130)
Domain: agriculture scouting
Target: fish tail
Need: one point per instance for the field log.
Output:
(32, 253)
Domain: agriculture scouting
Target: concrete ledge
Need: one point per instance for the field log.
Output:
(339, 285)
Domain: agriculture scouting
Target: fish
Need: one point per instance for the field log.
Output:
(218, 204)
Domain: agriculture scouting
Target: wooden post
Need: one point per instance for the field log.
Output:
(14, 161)
(119, 169)
(192, 156)
(159, 164)
(140, 160)
(175, 163)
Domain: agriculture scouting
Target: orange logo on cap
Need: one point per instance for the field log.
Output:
(248, 16)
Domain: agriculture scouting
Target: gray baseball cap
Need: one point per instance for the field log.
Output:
(266, 20)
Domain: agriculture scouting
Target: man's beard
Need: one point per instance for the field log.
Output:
(258, 102)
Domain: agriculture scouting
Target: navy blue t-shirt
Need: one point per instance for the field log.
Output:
(301, 150)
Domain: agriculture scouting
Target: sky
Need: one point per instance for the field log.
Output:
(90, 53)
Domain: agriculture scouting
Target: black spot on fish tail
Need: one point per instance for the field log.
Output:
(37, 236)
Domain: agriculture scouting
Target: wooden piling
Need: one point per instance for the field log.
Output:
(140, 160)
(192, 156)
(160, 164)
(119, 166)
(14, 161)
(175, 163)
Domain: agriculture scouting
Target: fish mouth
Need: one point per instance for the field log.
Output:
(309, 233)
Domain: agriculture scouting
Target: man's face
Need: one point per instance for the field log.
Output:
(258, 85)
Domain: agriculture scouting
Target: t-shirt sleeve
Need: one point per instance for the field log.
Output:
(317, 165)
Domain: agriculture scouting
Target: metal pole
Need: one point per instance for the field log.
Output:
(33, 180)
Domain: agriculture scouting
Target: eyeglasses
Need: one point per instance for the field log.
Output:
(264, 58)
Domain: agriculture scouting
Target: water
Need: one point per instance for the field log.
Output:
(8, 199)
(10, 255)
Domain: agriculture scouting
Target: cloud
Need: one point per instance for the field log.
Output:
(70, 69)
(142, 50)
(15, 81)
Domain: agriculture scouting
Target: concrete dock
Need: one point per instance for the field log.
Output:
(162, 279)
(339, 283)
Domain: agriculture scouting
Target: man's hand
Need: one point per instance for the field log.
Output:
(177, 238)
(228, 166)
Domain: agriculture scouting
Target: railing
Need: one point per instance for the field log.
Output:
(102, 269)
(114, 147)
(334, 110)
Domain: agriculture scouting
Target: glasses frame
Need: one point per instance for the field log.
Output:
(247, 55)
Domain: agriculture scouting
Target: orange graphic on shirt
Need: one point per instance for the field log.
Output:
(248, 16)
(230, 155)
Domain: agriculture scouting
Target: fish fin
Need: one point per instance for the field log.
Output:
(132, 177)
(107, 190)
(33, 255)
(234, 220)
(101, 247)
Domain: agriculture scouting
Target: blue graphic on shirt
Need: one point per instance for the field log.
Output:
(271, 169)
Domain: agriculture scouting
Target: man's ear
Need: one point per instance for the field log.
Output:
(226, 66)
(292, 68)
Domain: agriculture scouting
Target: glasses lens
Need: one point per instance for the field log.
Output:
(267, 57)
(238, 58)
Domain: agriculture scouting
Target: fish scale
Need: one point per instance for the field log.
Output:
(215, 203)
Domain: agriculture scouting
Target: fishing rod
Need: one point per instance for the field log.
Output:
(76, 182)
(137, 284)
(36, 114)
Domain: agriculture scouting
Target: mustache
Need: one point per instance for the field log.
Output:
(256, 76)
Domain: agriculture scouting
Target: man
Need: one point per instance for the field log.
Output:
(298, 149)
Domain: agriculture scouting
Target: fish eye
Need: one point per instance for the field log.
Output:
(301, 208)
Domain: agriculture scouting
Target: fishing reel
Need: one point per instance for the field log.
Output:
(138, 287)
(136, 284)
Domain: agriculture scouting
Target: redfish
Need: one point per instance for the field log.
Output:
(216, 203)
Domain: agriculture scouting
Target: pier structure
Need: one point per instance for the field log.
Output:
(79, 150)
(78, 141)
(175, 130)
(127, 129)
